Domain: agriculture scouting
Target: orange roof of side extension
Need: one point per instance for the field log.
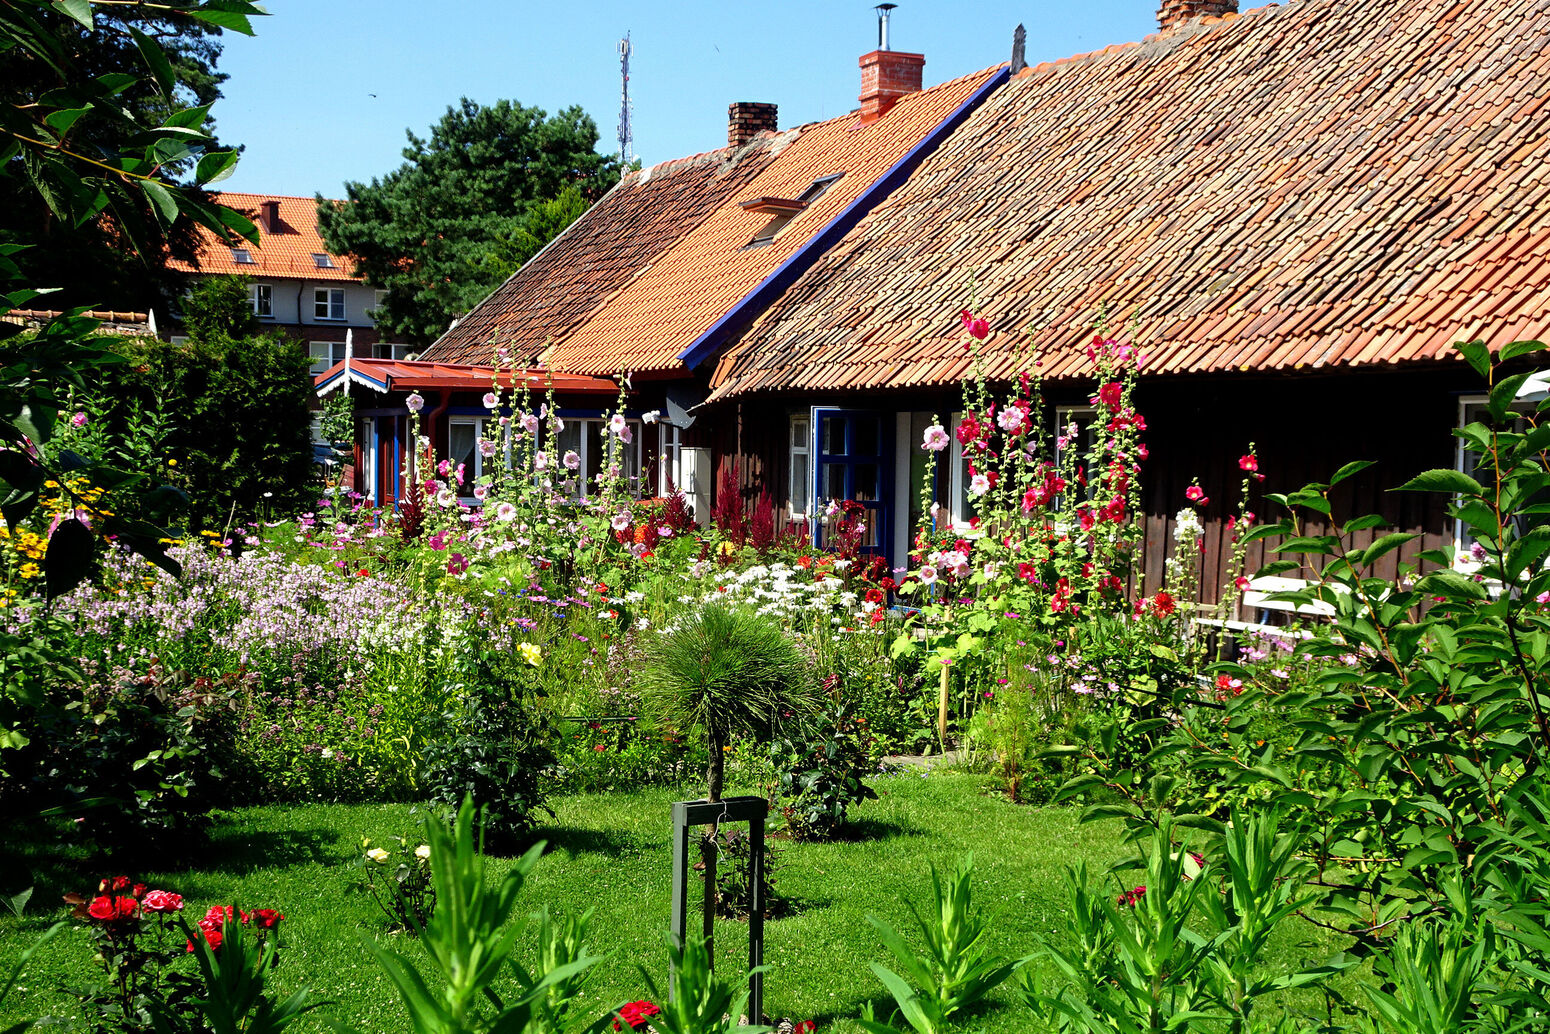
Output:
(693, 284)
(286, 249)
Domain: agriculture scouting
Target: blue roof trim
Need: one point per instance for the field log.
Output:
(786, 274)
(336, 373)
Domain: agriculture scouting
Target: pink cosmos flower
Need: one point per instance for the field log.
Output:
(936, 438)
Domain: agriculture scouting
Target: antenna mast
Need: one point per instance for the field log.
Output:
(626, 135)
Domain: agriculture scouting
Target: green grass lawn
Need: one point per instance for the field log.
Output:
(611, 853)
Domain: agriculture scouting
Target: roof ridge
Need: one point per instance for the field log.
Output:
(272, 197)
(1209, 21)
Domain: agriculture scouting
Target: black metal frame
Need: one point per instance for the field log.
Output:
(752, 810)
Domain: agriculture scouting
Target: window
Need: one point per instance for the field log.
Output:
(800, 487)
(584, 436)
(463, 435)
(262, 296)
(669, 443)
(322, 261)
(328, 303)
(387, 350)
(369, 454)
(242, 257)
(784, 212)
(1472, 410)
(378, 303)
(325, 354)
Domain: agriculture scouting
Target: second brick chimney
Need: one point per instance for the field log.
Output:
(1174, 13)
(887, 75)
(747, 119)
(269, 215)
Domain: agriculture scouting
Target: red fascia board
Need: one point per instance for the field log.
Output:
(772, 205)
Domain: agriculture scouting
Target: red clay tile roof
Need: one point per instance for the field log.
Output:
(386, 375)
(1328, 183)
(614, 240)
(112, 321)
(672, 302)
(286, 252)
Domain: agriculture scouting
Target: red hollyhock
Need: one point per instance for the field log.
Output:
(1109, 395)
(968, 430)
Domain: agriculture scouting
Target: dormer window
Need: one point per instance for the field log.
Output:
(782, 210)
(322, 261)
(242, 257)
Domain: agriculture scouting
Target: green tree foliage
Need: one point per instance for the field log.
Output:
(118, 172)
(87, 59)
(467, 206)
(234, 404)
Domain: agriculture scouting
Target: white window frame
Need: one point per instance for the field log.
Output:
(804, 449)
(957, 480)
(323, 299)
(324, 354)
(669, 448)
(583, 436)
(470, 477)
(392, 350)
(323, 260)
(262, 297)
(243, 257)
(369, 455)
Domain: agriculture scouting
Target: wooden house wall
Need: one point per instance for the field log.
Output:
(1305, 427)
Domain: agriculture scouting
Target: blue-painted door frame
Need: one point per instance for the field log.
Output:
(852, 467)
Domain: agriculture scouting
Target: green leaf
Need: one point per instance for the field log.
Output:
(61, 120)
(226, 19)
(1517, 348)
(80, 10)
(1503, 394)
(154, 58)
(1350, 469)
(1442, 479)
(216, 166)
(1384, 545)
(161, 197)
(1476, 354)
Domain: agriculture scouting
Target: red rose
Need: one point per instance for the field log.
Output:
(101, 908)
(114, 884)
(125, 907)
(212, 937)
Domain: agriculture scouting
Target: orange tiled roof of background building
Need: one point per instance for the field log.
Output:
(286, 252)
(668, 305)
(1328, 183)
(612, 241)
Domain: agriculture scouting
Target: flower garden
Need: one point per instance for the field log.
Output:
(414, 768)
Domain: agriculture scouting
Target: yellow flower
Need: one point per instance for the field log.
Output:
(531, 653)
(378, 855)
(30, 570)
(172, 463)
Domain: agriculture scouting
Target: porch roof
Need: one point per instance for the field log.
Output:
(385, 375)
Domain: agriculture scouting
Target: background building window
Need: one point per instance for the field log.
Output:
(328, 303)
(263, 300)
(669, 474)
(325, 354)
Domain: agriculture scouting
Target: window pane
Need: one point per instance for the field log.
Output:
(799, 434)
(865, 487)
(866, 435)
(834, 435)
(801, 480)
(834, 481)
(594, 454)
(461, 435)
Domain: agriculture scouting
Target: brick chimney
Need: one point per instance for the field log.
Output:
(1175, 13)
(887, 75)
(747, 119)
(269, 215)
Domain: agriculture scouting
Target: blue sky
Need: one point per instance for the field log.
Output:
(324, 92)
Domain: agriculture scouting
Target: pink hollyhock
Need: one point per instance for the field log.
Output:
(968, 430)
(977, 327)
(1196, 494)
(1249, 462)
